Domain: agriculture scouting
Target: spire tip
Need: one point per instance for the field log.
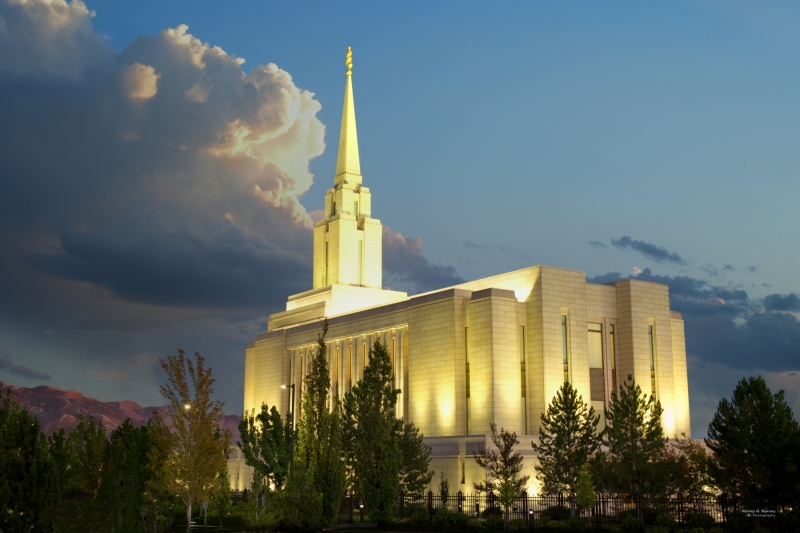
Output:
(349, 61)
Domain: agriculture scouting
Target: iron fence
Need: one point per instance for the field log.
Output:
(607, 512)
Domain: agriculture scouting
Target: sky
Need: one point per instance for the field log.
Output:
(161, 164)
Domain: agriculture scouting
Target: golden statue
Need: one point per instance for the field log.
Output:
(349, 60)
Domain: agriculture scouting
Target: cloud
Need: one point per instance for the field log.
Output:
(409, 269)
(650, 251)
(711, 270)
(48, 37)
(141, 81)
(597, 244)
(469, 245)
(729, 268)
(782, 302)
(21, 370)
(751, 269)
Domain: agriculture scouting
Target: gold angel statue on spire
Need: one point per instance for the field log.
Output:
(349, 60)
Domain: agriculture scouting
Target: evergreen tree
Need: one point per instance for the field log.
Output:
(416, 459)
(444, 488)
(585, 493)
(57, 443)
(319, 437)
(196, 449)
(634, 463)
(126, 474)
(502, 468)
(86, 451)
(265, 442)
(755, 439)
(156, 511)
(28, 479)
(299, 506)
(370, 435)
(567, 439)
(221, 502)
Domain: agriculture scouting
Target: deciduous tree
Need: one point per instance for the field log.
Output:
(755, 439)
(196, 448)
(221, 502)
(567, 439)
(692, 476)
(265, 440)
(371, 442)
(86, 450)
(502, 467)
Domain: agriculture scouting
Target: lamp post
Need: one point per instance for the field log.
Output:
(291, 433)
(530, 520)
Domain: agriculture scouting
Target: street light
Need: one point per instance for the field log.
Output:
(187, 406)
(530, 520)
(291, 434)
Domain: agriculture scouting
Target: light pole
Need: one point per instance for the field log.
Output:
(291, 433)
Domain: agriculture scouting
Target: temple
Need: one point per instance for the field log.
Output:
(491, 350)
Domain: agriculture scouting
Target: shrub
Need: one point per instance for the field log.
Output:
(494, 521)
(459, 520)
(420, 516)
(665, 522)
(441, 518)
(576, 522)
(556, 525)
(557, 512)
(475, 524)
(698, 519)
(718, 529)
(631, 524)
(658, 529)
(491, 511)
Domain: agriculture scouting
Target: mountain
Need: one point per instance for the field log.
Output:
(58, 408)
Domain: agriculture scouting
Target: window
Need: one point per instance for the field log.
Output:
(651, 335)
(595, 345)
(355, 209)
(463, 472)
(333, 208)
(524, 383)
(613, 356)
(565, 346)
(326, 263)
(466, 368)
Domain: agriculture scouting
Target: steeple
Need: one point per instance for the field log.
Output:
(348, 166)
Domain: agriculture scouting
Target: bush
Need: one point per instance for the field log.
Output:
(441, 518)
(698, 519)
(518, 524)
(631, 524)
(576, 522)
(420, 516)
(494, 521)
(557, 512)
(491, 511)
(666, 522)
(459, 520)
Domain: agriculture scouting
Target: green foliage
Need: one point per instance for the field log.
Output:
(576, 522)
(698, 519)
(57, 443)
(459, 520)
(441, 517)
(444, 488)
(126, 475)
(556, 512)
(585, 493)
(691, 468)
(416, 458)
(567, 438)
(319, 434)
(755, 439)
(265, 442)
(86, 450)
(665, 521)
(157, 511)
(518, 524)
(494, 521)
(420, 516)
(220, 503)
(28, 478)
(631, 524)
(635, 462)
(299, 506)
(370, 429)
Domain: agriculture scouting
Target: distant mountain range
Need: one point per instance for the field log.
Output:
(58, 408)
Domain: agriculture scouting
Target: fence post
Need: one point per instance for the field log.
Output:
(477, 507)
(402, 504)
(430, 502)
(351, 506)
(460, 502)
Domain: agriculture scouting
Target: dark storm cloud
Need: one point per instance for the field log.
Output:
(21, 370)
(650, 251)
(597, 244)
(723, 325)
(409, 269)
(729, 268)
(782, 302)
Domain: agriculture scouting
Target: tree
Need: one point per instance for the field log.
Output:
(755, 438)
(567, 439)
(156, 510)
(265, 440)
(635, 462)
(86, 450)
(416, 459)
(221, 497)
(444, 488)
(196, 448)
(28, 479)
(370, 435)
(692, 476)
(585, 493)
(127, 474)
(299, 506)
(57, 443)
(319, 433)
(502, 468)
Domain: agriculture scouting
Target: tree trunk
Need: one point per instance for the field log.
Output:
(189, 517)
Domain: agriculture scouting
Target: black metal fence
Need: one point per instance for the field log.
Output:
(607, 512)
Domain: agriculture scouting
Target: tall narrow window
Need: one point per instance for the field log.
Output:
(651, 334)
(597, 380)
(333, 208)
(463, 472)
(326, 263)
(613, 353)
(466, 368)
(565, 346)
(355, 209)
(360, 262)
(524, 381)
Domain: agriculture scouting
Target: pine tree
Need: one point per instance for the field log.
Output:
(585, 493)
(755, 439)
(28, 478)
(416, 459)
(319, 439)
(371, 443)
(265, 442)
(126, 474)
(86, 450)
(567, 438)
(502, 468)
(197, 449)
(634, 463)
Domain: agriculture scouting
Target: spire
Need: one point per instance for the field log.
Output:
(348, 167)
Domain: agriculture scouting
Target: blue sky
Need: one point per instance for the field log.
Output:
(615, 138)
